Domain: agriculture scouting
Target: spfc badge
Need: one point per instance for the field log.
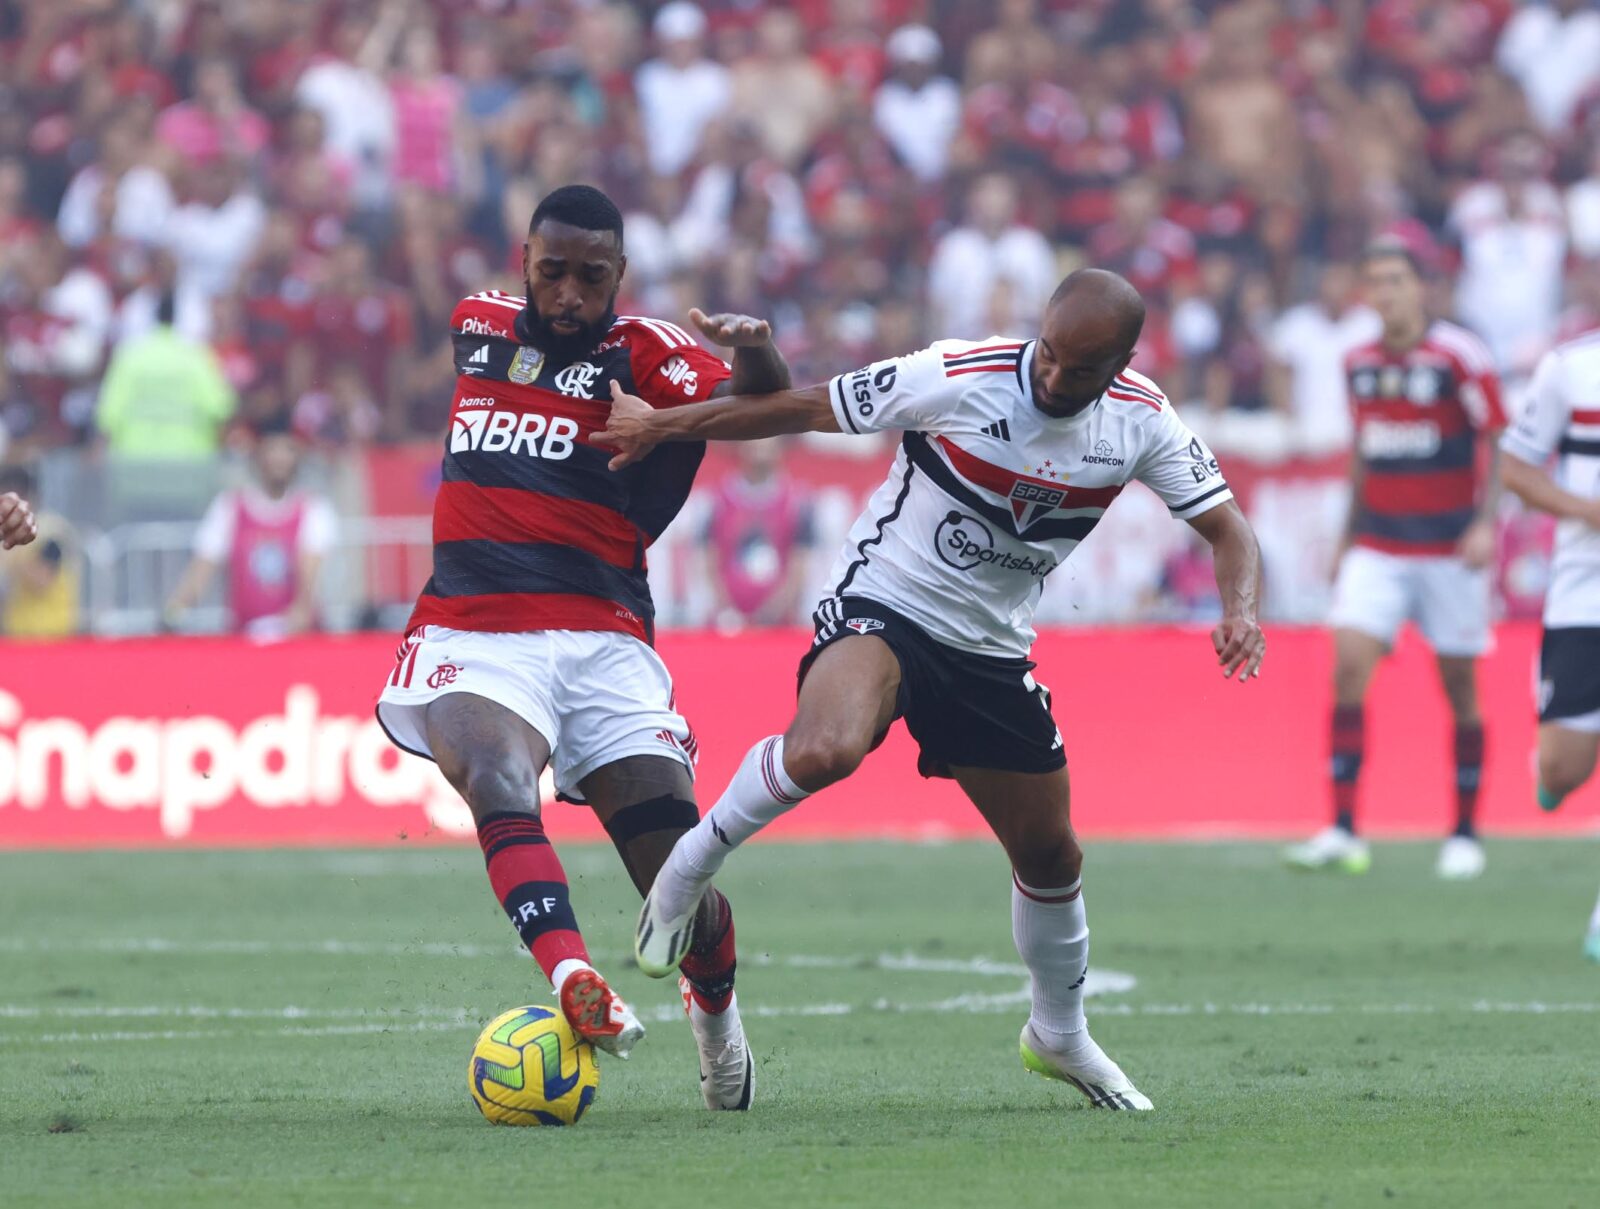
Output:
(525, 366)
(864, 625)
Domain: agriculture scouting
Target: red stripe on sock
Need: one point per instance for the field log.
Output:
(520, 864)
(712, 964)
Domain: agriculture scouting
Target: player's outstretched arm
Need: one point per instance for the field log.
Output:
(17, 527)
(1538, 490)
(635, 428)
(758, 366)
(1238, 639)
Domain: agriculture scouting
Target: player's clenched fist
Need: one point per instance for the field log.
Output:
(1240, 645)
(732, 331)
(16, 521)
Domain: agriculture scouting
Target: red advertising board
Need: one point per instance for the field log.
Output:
(220, 741)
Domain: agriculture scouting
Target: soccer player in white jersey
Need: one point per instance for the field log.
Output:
(1561, 419)
(1012, 451)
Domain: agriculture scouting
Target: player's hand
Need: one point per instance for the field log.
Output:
(17, 526)
(1240, 645)
(1476, 547)
(627, 428)
(732, 331)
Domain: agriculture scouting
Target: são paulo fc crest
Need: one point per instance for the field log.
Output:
(1031, 499)
(525, 366)
(863, 625)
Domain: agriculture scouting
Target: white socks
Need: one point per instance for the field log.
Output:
(1052, 936)
(759, 792)
(1594, 920)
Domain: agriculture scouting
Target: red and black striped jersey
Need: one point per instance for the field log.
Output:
(1418, 416)
(531, 531)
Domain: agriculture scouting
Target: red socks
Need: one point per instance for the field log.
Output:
(532, 887)
(712, 959)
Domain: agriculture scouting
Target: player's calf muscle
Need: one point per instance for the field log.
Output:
(489, 755)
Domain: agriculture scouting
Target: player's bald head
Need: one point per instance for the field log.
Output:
(1089, 332)
(1101, 306)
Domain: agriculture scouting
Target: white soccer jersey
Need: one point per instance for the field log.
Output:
(988, 494)
(1561, 416)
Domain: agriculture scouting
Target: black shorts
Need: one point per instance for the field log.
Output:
(964, 710)
(1569, 672)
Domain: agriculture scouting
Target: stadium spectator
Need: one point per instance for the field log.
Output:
(356, 108)
(1306, 351)
(993, 274)
(269, 537)
(1553, 50)
(786, 94)
(164, 397)
(916, 109)
(39, 581)
(56, 324)
(216, 121)
(1513, 237)
(213, 234)
(681, 91)
(119, 191)
(758, 541)
(1583, 207)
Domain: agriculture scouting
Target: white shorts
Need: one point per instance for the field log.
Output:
(596, 696)
(1376, 593)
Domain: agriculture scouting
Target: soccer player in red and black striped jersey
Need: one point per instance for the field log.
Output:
(1419, 542)
(531, 643)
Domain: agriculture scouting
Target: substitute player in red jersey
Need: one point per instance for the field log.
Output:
(17, 526)
(1011, 452)
(1418, 543)
(531, 643)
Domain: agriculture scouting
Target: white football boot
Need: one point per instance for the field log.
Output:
(1332, 847)
(1460, 859)
(666, 921)
(1087, 1068)
(727, 1071)
(597, 1013)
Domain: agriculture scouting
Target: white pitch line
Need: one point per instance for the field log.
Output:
(961, 1004)
(911, 963)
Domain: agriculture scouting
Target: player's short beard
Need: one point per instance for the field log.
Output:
(561, 347)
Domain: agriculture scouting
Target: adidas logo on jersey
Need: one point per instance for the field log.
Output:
(527, 433)
(999, 430)
(478, 362)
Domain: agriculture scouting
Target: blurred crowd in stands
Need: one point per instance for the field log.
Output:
(223, 216)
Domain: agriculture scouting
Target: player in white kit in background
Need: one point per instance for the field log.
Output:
(1012, 451)
(1561, 419)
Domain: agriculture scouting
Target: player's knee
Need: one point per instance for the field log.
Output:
(1049, 862)
(816, 759)
(1561, 774)
(499, 788)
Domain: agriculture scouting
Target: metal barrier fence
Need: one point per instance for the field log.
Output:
(368, 581)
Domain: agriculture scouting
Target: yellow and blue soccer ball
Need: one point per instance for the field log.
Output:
(530, 1068)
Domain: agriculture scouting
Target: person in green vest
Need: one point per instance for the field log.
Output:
(164, 396)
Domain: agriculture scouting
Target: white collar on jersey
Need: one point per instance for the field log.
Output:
(1058, 423)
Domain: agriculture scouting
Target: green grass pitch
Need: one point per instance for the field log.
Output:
(292, 1028)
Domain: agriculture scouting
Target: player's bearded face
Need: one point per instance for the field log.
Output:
(572, 277)
(565, 334)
